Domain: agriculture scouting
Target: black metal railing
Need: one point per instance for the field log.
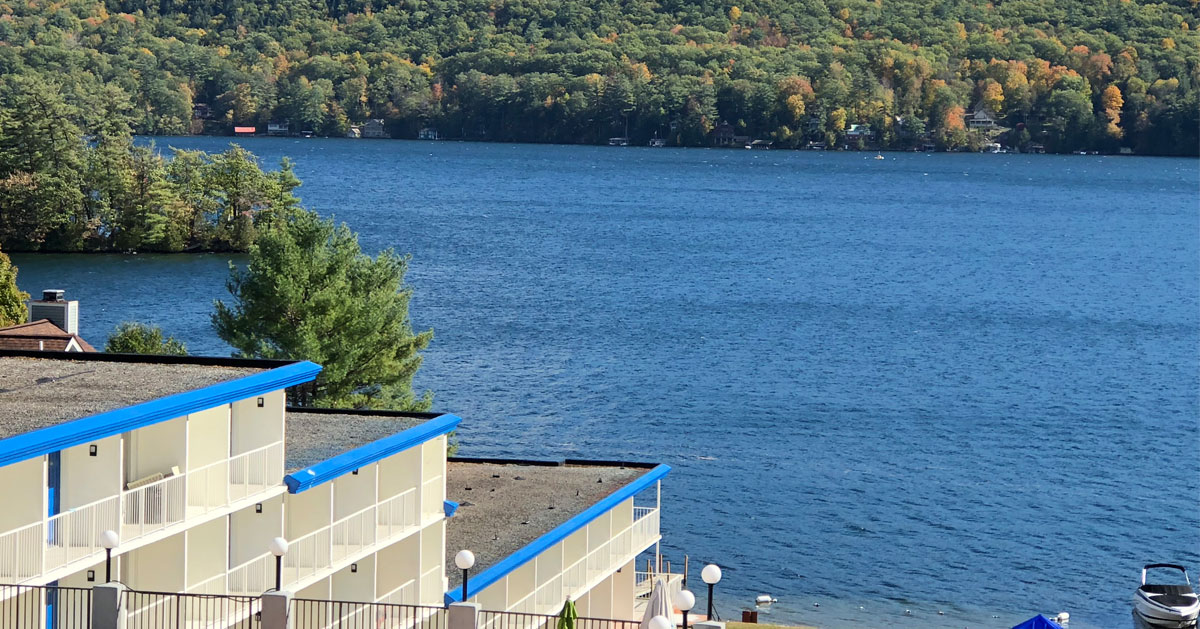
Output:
(172, 610)
(519, 620)
(45, 606)
(321, 614)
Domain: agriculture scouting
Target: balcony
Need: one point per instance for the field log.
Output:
(586, 572)
(74, 535)
(318, 552)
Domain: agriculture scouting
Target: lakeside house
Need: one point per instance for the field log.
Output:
(725, 135)
(374, 129)
(278, 128)
(981, 118)
(198, 464)
(243, 130)
(53, 326)
(429, 133)
(859, 132)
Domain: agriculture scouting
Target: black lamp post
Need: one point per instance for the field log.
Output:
(711, 575)
(109, 540)
(279, 548)
(465, 560)
(685, 601)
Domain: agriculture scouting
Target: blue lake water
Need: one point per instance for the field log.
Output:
(934, 382)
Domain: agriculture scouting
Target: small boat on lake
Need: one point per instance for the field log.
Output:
(1173, 606)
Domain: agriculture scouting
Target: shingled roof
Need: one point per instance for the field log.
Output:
(42, 335)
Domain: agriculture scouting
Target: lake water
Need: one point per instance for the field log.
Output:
(934, 382)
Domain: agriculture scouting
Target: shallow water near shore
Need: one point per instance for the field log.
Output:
(935, 382)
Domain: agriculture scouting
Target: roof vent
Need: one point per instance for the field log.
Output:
(60, 312)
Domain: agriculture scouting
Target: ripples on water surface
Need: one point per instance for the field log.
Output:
(934, 382)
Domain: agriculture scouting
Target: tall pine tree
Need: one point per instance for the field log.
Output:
(310, 293)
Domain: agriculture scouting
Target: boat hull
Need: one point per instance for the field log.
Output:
(1153, 615)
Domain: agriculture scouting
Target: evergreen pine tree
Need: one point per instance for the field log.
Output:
(310, 293)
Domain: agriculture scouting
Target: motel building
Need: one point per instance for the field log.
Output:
(198, 465)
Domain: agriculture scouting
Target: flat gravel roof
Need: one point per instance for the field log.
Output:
(315, 437)
(504, 507)
(37, 393)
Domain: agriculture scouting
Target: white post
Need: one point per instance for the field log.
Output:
(276, 608)
(461, 616)
(108, 606)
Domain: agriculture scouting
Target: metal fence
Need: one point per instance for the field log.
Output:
(320, 614)
(520, 620)
(45, 606)
(170, 610)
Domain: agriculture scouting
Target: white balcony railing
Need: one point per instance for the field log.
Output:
(74, 535)
(22, 550)
(350, 536)
(253, 577)
(433, 584)
(605, 558)
(406, 594)
(213, 585)
(229, 480)
(152, 507)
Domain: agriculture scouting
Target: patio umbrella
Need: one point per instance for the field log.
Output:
(566, 618)
(658, 605)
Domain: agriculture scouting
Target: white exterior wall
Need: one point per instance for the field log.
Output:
(308, 511)
(158, 567)
(355, 582)
(24, 485)
(84, 479)
(250, 533)
(254, 426)
(354, 492)
(399, 473)
(395, 579)
(208, 437)
(156, 448)
(623, 583)
(207, 547)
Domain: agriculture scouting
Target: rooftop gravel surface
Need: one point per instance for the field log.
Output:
(504, 507)
(41, 392)
(316, 437)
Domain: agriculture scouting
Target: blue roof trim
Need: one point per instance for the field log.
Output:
(498, 571)
(107, 424)
(347, 462)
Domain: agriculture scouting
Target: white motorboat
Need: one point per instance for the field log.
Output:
(1172, 606)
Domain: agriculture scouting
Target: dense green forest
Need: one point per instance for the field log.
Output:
(1068, 74)
(71, 179)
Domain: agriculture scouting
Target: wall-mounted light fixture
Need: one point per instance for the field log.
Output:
(261, 402)
(91, 576)
(258, 508)
(354, 473)
(92, 450)
(353, 567)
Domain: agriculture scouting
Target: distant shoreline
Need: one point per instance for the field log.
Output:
(233, 139)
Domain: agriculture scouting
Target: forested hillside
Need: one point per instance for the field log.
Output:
(1069, 74)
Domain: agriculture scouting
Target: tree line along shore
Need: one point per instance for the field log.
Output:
(1063, 75)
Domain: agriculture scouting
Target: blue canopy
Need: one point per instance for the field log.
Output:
(1038, 622)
